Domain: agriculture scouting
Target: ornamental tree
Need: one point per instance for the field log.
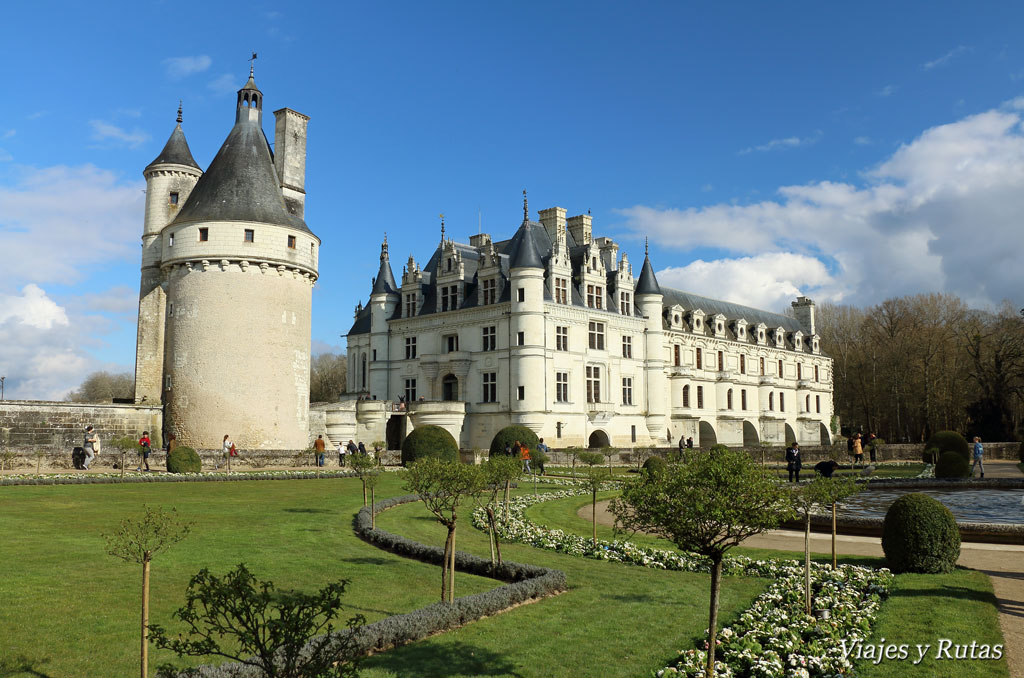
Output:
(282, 634)
(137, 541)
(707, 505)
(443, 486)
(593, 480)
(498, 474)
(363, 465)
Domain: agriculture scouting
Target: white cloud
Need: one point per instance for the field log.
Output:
(945, 58)
(707, 188)
(942, 213)
(5, 156)
(41, 356)
(887, 91)
(59, 224)
(225, 84)
(863, 141)
(787, 142)
(180, 67)
(105, 131)
(9, 133)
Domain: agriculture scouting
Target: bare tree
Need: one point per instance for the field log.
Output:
(102, 387)
(327, 374)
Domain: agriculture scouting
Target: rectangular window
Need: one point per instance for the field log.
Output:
(596, 335)
(817, 404)
(452, 343)
(632, 433)
(762, 366)
(410, 390)
(675, 355)
(167, 383)
(410, 305)
(721, 361)
(204, 234)
(374, 355)
(590, 296)
(780, 369)
(816, 375)
(521, 294)
(174, 197)
(700, 397)
(625, 303)
(593, 384)
(250, 235)
(743, 364)
(490, 338)
(561, 291)
(561, 387)
(782, 402)
(598, 296)
(170, 310)
(490, 387)
(410, 348)
(627, 347)
(489, 289)
(799, 371)
(686, 396)
(449, 297)
(561, 338)
(700, 359)
(170, 240)
(521, 392)
(627, 390)
(743, 399)
(291, 242)
(520, 338)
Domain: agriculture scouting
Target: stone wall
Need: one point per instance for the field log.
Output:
(30, 426)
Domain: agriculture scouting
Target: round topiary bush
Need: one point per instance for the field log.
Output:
(952, 465)
(509, 435)
(655, 465)
(183, 460)
(719, 447)
(949, 441)
(429, 441)
(930, 455)
(920, 535)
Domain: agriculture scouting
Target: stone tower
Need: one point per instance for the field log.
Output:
(169, 181)
(237, 264)
(526, 278)
(649, 298)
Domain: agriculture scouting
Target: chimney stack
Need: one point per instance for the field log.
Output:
(290, 158)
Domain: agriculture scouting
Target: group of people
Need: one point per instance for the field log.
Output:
(518, 450)
(685, 444)
(855, 445)
(346, 450)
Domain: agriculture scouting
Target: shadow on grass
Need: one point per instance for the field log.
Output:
(368, 560)
(431, 660)
(957, 592)
(21, 665)
(305, 510)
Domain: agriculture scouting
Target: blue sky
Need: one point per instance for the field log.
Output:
(766, 149)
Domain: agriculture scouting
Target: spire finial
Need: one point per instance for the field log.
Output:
(441, 215)
(251, 64)
(179, 111)
(526, 207)
(384, 248)
(645, 246)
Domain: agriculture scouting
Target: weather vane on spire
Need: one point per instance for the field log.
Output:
(645, 245)
(442, 227)
(179, 111)
(384, 247)
(526, 207)
(251, 63)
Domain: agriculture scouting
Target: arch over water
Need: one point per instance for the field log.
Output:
(790, 435)
(826, 435)
(707, 435)
(750, 438)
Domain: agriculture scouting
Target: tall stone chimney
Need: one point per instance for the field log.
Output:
(581, 228)
(803, 310)
(290, 158)
(553, 219)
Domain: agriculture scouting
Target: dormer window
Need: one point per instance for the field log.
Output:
(490, 291)
(449, 263)
(561, 291)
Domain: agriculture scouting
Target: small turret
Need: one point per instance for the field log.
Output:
(384, 283)
(250, 102)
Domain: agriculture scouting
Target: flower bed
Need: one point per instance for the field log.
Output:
(137, 477)
(773, 637)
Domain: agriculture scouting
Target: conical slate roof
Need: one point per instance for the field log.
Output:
(384, 283)
(176, 151)
(240, 185)
(523, 250)
(647, 283)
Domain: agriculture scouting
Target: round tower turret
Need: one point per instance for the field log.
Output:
(526, 279)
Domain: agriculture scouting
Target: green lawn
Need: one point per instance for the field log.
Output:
(615, 620)
(71, 610)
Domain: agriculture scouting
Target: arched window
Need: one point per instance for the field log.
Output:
(771, 401)
(807, 407)
(728, 400)
(686, 396)
(254, 100)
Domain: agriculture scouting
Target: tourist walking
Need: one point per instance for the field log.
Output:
(793, 463)
(362, 449)
(524, 456)
(228, 450)
(91, 446)
(689, 443)
(320, 446)
(144, 445)
(978, 452)
(826, 468)
(682, 443)
(871, 446)
(858, 449)
(341, 455)
(543, 449)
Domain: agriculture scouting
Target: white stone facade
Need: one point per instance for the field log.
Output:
(569, 345)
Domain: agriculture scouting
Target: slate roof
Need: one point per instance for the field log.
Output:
(731, 311)
(241, 184)
(523, 250)
(647, 283)
(384, 283)
(176, 151)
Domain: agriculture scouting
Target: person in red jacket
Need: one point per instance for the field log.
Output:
(145, 443)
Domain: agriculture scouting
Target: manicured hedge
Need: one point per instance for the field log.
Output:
(528, 581)
(429, 441)
(183, 460)
(919, 534)
(949, 441)
(655, 465)
(509, 435)
(952, 465)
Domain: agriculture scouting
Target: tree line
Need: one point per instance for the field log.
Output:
(913, 365)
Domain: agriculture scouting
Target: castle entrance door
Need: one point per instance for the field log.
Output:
(395, 431)
(450, 387)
